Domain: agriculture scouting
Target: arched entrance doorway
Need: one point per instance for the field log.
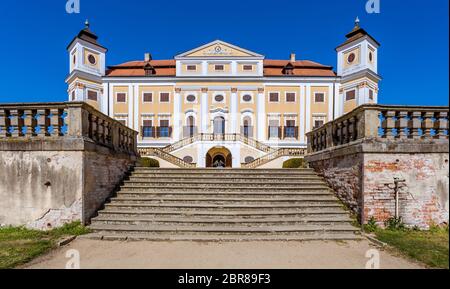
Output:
(219, 157)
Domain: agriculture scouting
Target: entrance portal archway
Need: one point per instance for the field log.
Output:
(219, 157)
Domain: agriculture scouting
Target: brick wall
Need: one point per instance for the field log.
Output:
(362, 175)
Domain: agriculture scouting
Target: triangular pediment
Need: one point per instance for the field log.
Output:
(218, 49)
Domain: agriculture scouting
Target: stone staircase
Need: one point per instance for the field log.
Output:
(223, 205)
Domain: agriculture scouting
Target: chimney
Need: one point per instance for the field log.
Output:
(293, 57)
(147, 57)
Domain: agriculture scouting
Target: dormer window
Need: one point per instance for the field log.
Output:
(288, 69)
(219, 67)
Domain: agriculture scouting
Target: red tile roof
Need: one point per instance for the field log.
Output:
(271, 68)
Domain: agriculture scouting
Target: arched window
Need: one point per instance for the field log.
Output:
(247, 128)
(219, 125)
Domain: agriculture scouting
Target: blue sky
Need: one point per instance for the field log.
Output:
(413, 60)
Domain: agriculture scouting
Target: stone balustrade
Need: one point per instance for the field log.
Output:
(156, 152)
(385, 122)
(65, 120)
(218, 137)
(283, 152)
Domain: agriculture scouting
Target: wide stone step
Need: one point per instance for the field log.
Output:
(269, 179)
(220, 188)
(224, 171)
(294, 229)
(285, 213)
(221, 175)
(242, 198)
(220, 203)
(124, 236)
(190, 221)
(224, 184)
(225, 207)
(220, 194)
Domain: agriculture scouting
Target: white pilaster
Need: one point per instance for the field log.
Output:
(308, 108)
(177, 116)
(234, 111)
(261, 115)
(204, 116)
(136, 114)
(104, 99)
(336, 100)
(302, 115)
(111, 97)
(130, 106)
(330, 102)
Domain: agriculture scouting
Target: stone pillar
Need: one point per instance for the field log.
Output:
(303, 109)
(261, 115)
(308, 108)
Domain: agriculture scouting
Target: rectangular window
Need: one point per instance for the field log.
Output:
(92, 95)
(319, 97)
(147, 129)
(219, 67)
(247, 67)
(147, 97)
(164, 97)
(164, 130)
(318, 123)
(370, 94)
(121, 97)
(350, 95)
(274, 97)
(274, 129)
(191, 68)
(73, 95)
(290, 97)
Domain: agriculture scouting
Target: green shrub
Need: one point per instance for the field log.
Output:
(371, 225)
(394, 224)
(148, 163)
(295, 164)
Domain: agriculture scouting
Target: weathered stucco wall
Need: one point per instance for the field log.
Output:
(40, 189)
(362, 174)
(43, 188)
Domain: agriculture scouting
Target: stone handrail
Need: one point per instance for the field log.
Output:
(165, 156)
(294, 152)
(65, 120)
(218, 137)
(382, 121)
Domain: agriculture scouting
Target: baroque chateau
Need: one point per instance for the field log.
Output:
(220, 104)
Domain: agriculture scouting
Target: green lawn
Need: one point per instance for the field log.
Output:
(19, 245)
(428, 247)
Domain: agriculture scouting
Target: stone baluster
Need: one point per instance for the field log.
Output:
(28, 122)
(54, 122)
(3, 127)
(427, 124)
(20, 122)
(14, 123)
(389, 126)
(402, 124)
(329, 135)
(415, 124)
(346, 131)
(41, 122)
(441, 125)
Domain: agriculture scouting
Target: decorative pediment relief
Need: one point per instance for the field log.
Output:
(218, 49)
